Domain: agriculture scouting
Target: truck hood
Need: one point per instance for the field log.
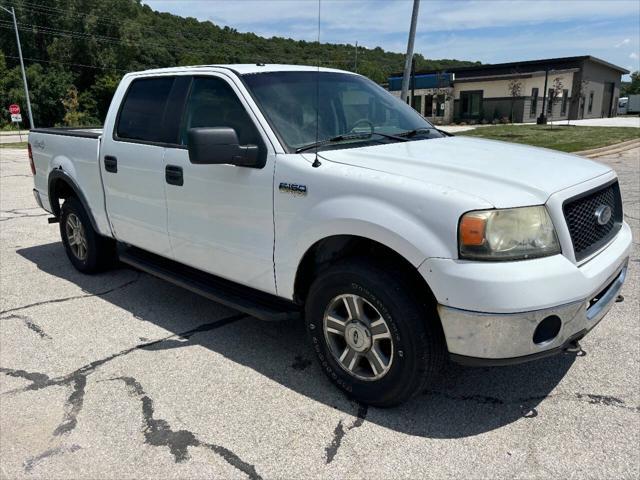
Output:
(503, 174)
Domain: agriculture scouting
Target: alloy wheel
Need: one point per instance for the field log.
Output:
(358, 337)
(76, 237)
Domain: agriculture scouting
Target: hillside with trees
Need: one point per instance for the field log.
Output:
(76, 51)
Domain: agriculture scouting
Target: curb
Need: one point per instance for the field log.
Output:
(610, 149)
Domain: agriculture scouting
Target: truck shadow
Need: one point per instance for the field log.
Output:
(463, 402)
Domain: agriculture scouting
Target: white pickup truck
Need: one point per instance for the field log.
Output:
(288, 191)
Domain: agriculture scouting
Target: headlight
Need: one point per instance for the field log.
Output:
(508, 234)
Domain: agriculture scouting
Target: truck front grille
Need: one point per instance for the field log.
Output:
(581, 213)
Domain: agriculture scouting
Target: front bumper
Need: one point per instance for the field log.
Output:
(490, 310)
(503, 339)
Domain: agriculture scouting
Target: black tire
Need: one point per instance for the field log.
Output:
(418, 343)
(100, 251)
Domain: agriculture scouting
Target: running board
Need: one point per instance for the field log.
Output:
(247, 300)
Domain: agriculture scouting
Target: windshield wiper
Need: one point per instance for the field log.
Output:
(417, 131)
(346, 137)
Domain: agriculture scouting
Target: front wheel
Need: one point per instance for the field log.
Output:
(373, 337)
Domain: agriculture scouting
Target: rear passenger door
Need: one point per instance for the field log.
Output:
(221, 216)
(132, 161)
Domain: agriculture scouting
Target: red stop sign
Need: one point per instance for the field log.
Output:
(14, 109)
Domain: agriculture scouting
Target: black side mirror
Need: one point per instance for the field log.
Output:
(219, 145)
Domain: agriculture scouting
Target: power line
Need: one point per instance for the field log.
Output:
(98, 19)
(68, 63)
(171, 48)
(67, 32)
(101, 38)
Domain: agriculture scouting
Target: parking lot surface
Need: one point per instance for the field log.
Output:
(122, 375)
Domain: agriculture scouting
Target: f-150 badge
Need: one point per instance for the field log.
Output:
(294, 189)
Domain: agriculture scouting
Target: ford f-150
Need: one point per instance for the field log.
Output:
(312, 193)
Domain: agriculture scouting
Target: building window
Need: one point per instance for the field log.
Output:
(440, 105)
(417, 103)
(428, 105)
(550, 100)
(533, 108)
(565, 100)
(470, 104)
(591, 101)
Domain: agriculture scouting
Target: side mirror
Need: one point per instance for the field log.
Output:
(219, 145)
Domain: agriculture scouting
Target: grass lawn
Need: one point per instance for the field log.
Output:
(14, 145)
(560, 137)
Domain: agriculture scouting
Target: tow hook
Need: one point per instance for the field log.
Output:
(574, 348)
(619, 299)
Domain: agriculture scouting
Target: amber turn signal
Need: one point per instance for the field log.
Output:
(472, 230)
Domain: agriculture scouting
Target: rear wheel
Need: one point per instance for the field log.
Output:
(88, 251)
(373, 335)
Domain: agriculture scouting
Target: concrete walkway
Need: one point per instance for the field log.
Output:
(626, 121)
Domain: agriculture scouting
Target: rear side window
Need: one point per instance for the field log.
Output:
(142, 114)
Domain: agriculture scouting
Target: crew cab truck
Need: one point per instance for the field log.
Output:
(289, 191)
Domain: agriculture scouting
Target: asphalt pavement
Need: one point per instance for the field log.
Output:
(122, 375)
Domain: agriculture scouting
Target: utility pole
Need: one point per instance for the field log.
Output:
(409, 57)
(542, 119)
(355, 68)
(413, 82)
(24, 75)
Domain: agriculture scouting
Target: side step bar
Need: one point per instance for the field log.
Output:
(247, 300)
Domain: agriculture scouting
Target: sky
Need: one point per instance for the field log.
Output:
(490, 31)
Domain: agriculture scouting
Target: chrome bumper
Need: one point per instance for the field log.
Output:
(501, 339)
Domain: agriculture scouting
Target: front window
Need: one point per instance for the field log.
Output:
(213, 103)
(347, 104)
(428, 106)
(565, 99)
(440, 103)
(470, 104)
(417, 103)
(534, 102)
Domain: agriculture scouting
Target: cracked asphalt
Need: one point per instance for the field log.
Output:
(122, 375)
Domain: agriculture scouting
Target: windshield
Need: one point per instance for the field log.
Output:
(348, 104)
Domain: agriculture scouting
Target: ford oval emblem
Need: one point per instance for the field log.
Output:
(603, 214)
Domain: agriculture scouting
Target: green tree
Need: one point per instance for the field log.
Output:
(632, 87)
(90, 44)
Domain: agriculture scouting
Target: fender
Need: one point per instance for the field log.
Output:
(59, 174)
(409, 236)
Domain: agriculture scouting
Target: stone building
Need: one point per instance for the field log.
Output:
(576, 87)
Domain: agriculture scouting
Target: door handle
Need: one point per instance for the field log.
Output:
(111, 164)
(173, 175)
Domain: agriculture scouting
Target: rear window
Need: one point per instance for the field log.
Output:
(142, 114)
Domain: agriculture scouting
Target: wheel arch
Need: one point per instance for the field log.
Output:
(61, 186)
(327, 251)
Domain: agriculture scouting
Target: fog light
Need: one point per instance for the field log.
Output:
(547, 330)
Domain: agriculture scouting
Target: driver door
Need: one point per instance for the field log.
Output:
(220, 219)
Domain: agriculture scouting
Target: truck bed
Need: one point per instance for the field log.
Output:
(74, 153)
(71, 131)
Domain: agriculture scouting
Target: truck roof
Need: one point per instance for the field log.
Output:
(241, 68)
